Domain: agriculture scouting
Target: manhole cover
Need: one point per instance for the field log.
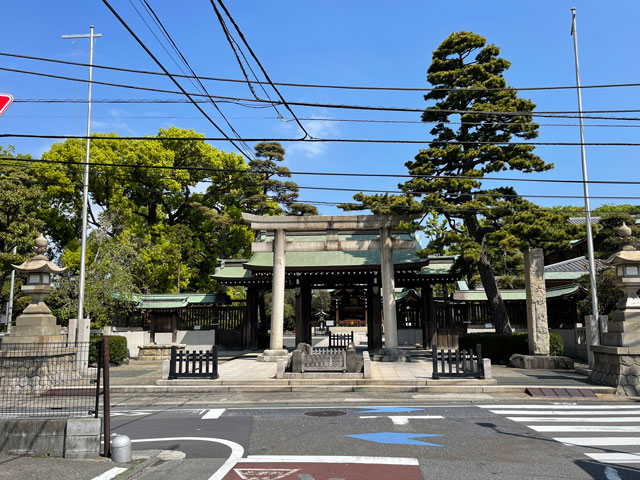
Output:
(325, 413)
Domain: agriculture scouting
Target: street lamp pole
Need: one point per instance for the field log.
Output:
(85, 182)
(587, 209)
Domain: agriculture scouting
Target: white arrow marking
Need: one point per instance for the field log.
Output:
(403, 419)
(109, 474)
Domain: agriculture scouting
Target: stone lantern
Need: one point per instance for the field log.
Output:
(37, 324)
(617, 360)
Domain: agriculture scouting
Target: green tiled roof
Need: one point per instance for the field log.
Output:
(516, 293)
(564, 275)
(173, 300)
(329, 259)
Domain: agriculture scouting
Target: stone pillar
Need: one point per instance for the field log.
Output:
(277, 300)
(83, 337)
(72, 331)
(391, 350)
(537, 324)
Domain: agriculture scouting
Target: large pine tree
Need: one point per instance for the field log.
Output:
(473, 110)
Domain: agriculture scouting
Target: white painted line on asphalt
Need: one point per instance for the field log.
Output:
(566, 412)
(586, 428)
(109, 474)
(213, 413)
(616, 457)
(403, 419)
(576, 419)
(330, 459)
(237, 451)
(598, 441)
(561, 407)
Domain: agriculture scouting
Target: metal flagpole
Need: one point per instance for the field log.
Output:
(592, 265)
(85, 182)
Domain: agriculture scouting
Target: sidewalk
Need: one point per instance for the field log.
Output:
(240, 372)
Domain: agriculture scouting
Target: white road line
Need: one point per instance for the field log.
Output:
(561, 407)
(616, 457)
(109, 474)
(598, 441)
(586, 428)
(237, 451)
(329, 459)
(402, 419)
(576, 419)
(566, 412)
(213, 413)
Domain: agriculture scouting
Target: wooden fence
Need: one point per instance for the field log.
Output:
(457, 363)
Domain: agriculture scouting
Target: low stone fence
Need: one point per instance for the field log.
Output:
(307, 360)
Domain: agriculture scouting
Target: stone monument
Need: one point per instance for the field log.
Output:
(537, 324)
(37, 324)
(617, 361)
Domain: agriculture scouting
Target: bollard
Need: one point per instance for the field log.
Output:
(121, 449)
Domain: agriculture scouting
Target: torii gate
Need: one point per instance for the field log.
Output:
(332, 225)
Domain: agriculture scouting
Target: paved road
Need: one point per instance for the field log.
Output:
(497, 441)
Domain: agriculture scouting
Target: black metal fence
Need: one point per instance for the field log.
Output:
(47, 380)
(341, 340)
(457, 363)
(193, 364)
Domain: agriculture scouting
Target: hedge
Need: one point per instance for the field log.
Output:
(499, 348)
(118, 351)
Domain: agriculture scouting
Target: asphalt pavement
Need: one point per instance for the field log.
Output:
(483, 440)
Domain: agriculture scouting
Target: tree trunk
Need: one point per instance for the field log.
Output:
(498, 309)
(496, 305)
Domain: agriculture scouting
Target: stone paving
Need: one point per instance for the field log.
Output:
(243, 366)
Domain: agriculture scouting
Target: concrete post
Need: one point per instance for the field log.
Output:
(536, 292)
(277, 300)
(84, 332)
(592, 334)
(72, 331)
(388, 294)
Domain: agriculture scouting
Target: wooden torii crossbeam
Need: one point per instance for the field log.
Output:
(332, 225)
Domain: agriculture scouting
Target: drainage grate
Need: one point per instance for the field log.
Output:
(325, 413)
(561, 392)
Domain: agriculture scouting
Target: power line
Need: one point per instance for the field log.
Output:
(262, 69)
(338, 174)
(311, 85)
(141, 43)
(325, 140)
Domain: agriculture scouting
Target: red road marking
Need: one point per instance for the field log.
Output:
(322, 471)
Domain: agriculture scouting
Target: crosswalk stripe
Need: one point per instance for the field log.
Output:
(576, 419)
(615, 457)
(561, 407)
(566, 412)
(213, 413)
(598, 441)
(586, 428)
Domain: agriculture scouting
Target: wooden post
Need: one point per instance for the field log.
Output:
(374, 326)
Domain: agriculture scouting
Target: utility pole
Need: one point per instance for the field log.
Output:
(10, 303)
(85, 182)
(587, 209)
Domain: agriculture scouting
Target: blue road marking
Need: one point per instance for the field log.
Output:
(397, 438)
(390, 410)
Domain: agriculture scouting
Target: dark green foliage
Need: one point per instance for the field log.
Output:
(556, 345)
(608, 294)
(499, 348)
(118, 351)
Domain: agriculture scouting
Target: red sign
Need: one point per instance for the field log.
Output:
(5, 101)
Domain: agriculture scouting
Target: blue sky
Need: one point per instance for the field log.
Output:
(334, 42)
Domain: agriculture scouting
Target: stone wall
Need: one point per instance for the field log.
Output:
(22, 372)
(616, 369)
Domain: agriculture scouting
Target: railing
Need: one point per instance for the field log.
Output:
(341, 340)
(459, 363)
(47, 380)
(193, 364)
(325, 360)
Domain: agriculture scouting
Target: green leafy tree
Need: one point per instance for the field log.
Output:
(266, 194)
(153, 191)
